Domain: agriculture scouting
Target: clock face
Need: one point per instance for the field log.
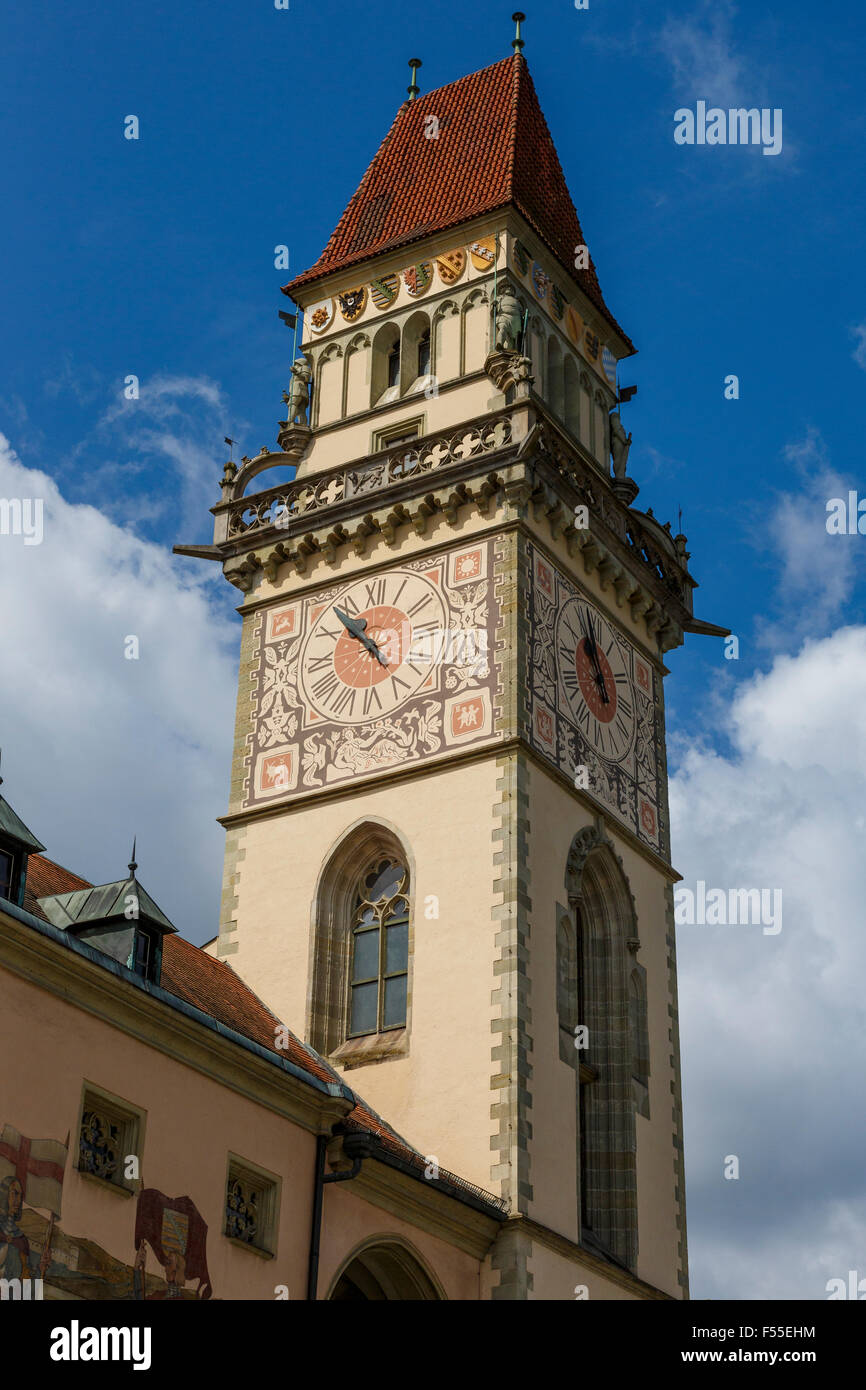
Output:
(594, 677)
(371, 649)
(594, 711)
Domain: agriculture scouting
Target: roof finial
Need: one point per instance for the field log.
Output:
(413, 89)
(517, 41)
(132, 866)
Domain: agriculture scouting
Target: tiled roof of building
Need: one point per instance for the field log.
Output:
(493, 149)
(213, 987)
(44, 878)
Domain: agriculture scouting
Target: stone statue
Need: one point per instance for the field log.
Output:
(509, 320)
(299, 398)
(620, 443)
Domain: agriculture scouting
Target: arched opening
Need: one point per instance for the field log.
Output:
(362, 939)
(554, 377)
(572, 396)
(385, 365)
(387, 1271)
(415, 353)
(605, 933)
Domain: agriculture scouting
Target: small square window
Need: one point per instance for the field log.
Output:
(110, 1139)
(395, 435)
(252, 1206)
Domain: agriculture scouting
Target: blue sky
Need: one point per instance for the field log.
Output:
(156, 257)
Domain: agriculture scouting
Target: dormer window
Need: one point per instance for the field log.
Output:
(7, 873)
(16, 845)
(143, 960)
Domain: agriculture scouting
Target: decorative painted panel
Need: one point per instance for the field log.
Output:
(594, 702)
(375, 673)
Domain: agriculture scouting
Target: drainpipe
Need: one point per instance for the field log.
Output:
(355, 1146)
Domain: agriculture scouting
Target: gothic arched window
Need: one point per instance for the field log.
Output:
(613, 1066)
(360, 991)
(380, 950)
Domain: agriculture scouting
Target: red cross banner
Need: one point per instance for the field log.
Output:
(38, 1165)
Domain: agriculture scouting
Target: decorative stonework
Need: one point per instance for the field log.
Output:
(676, 1093)
(623, 778)
(326, 712)
(512, 1071)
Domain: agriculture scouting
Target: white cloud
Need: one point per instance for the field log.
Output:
(96, 747)
(816, 569)
(702, 54)
(773, 1026)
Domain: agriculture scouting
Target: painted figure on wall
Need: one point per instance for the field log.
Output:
(31, 1172)
(177, 1234)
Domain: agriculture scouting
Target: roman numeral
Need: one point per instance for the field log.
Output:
(317, 662)
(325, 686)
(625, 705)
(346, 697)
(399, 592)
(350, 605)
(402, 684)
(422, 603)
(333, 633)
(371, 694)
(375, 595)
(570, 678)
(567, 653)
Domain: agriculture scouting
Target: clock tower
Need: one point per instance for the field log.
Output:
(447, 839)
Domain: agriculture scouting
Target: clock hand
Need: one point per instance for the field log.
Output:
(592, 651)
(356, 629)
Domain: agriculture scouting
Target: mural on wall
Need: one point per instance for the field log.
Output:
(33, 1246)
(360, 677)
(176, 1232)
(31, 1172)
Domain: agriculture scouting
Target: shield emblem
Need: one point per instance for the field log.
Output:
(353, 303)
(482, 254)
(608, 362)
(417, 278)
(384, 290)
(573, 325)
(451, 265)
(322, 315)
(540, 281)
(520, 257)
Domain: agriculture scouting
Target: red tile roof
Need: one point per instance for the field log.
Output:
(45, 878)
(493, 149)
(213, 987)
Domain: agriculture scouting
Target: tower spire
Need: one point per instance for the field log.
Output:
(132, 866)
(413, 89)
(517, 41)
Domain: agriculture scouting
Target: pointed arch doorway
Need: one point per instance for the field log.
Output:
(385, 1271)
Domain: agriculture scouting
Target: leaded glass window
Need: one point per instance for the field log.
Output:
(380, 950)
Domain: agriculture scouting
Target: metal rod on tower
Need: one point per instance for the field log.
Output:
(413, 89)
(517, 41)
(231, 444)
